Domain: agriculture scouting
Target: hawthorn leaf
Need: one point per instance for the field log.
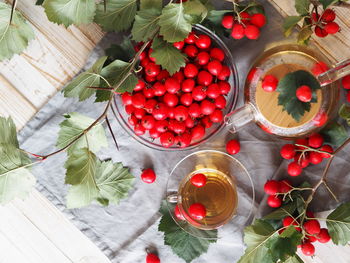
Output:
(287, 87)
(116, 72)
(15, 177)
(168, 56)
(148, 4)
(73, 126)
(338, 224)
(123, 51)
(196, 10)
(183, 244)
(334, 133)
(175, 24)
(102, 95)
(14, 37)
(81, 171)
(146, 24)
(282, 212)
(114, 181)
(304, 35)
(302, 6)
(68, 12)
(118, 16)
(327, 3)
(90, 78)
(289, 23)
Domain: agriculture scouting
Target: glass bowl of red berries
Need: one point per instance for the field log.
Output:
(183, 110)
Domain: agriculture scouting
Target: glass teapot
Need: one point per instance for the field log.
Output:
(262, 107)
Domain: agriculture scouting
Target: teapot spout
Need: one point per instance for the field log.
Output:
(339, 71)
(240, 117)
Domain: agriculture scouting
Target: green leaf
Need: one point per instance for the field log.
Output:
(81, 169)
(175, 25)
(304, 35)
(119, 14)
(15, 178)
(196, 10)
(114, 181)
(282, 212)
(253, 8)
(166, 55)
(183, 244)
(302, 6)
(73, 126)
(39, 2)
(344, 112)
(102, 95)
(90, 78)
(294, 259)
(338, 224)
(146, 24)
(287, 87)
(148, 4)
(118, 70)
(123, 51)
(327, 3)
(335, 134)
(14, 37)
(289, 23)
(68, 12)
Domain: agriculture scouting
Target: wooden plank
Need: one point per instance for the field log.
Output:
(14, 104)
(54, 225)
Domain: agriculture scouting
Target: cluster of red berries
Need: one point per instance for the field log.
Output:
(275, 189)
(178, 109)
(324, 24)
(244, 24)
(305, 151)
(346, 85)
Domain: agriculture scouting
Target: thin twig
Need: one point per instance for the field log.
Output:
(101, 88)
(13, 7)
(112, 133)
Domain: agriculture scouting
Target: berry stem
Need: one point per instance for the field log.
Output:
(309, 149)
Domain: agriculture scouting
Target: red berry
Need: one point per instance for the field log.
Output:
(213, 91)
(197, 211)
(301, 142)
(331, 28)
(152, 258)
(186, 99)
(132, 120)
(308, 249)
(315, 157)
(346, 82)
(288, 151)
(190, 71)
(328, 15)
(311, 239)
(191, 38)
(310, 214)
(184, 140)
(214, 67)
(269, 83)
(252, 32)
(304, 93)
(139, 129)
(187, 85)
(194, 110)
(148, 92)
(189, 123)
(154, 134)
(140, 85)
(320, 119)
(320, 32)
(179, 45)
(312, 227)
(203, 58)
(323, 236)
(152, 69)
(148, 176)
(126, 98)
(302, 161)
(316, 140)
(161, 126)
(258, 20)
(191, 51)
(178, 214)
(148, 122)
(138, 100)
(203, 41)
(288, 220)
(170, 99)
(167, 139)
(145, 62)
(150, 79)
(319, 68)
(224, 73)
(198, 180)
(285, 186)
(274, 201)
(326, 148)
(206, 122)
(160, 112)
(294, 169)
(227, 21)
(159, 89)
(217, 53)
(237, 31)
(233, 147)
(204, 78)
(197, 132)
(179, 127)
(315, 17)
(217, 116)
(272, 187)
(199, 93)
(224, 87)
(207, 107)
(181, 113)
(172, 85)
(220, 102)
(245, 17)
(179, 76)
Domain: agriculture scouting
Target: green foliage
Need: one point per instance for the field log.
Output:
(90, 78)
(123, 51)
(213, 22)
(327, 3)
(302, 6)
(73, 126)
(196, 10)
(119, 14)
(15, 178)
(68, 12)
(334, 134)
(338, 224)
(305, 34)
(166, 55)
(282, 212)
(289, 23)
(287, 98)
(175, 24)
(344, 112)
(14, 37)
(182, 243)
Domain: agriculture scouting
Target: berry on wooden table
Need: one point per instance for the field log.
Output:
(152, 258)
(148, 176)
(304, 93)
(198, 180)
(233, 147)
(331, 28)
(272, 187)
(328, 15)
(197, 211)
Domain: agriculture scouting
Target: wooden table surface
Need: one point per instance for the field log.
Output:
(34, 230)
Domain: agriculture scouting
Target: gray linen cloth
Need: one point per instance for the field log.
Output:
(123, 232)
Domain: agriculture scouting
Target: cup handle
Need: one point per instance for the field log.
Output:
(337, 72)
(240, 117)
(173, 198)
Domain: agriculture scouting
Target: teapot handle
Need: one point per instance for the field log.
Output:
(240, 117)
(339, 71)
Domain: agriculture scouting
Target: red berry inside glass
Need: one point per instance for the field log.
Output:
(269, 83)
(197, 211)
(198, 180)
(304, 93)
